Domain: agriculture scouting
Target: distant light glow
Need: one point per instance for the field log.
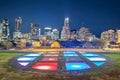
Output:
(99, 63)
(49, 59)
(24, 63)
(77, 66)
(96, 58)
(26, 58)
(89, 54)
(45, 66)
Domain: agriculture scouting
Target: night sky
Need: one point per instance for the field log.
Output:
(98, 15)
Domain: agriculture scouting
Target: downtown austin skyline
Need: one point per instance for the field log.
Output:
(98, 16)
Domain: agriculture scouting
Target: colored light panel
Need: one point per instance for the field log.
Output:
(72, 59)
(24, 63)
(53, 52)
(70, 54)
(26, 58)
(89, 54)
(77, 66)
(33, 54)
(45, 66)
(99, 63)
(49, 59)
(51, 55)
(96, 58)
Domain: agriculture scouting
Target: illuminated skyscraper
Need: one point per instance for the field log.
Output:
(4, 30)
(65, 33)
(118, 36)
(35, 31)
(48, 33)
(18, 24)
(55, 34)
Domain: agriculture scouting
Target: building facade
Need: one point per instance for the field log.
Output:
(65, 33)
(55, 34)
(84, 34)
(48, 33)
(4, 30)
(35, 31)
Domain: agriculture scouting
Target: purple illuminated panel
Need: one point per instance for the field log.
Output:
(24, 63)
(49, 59)
(76, 66)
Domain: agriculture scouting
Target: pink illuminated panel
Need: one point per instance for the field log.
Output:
(49, 59)
(45, 66)
(54, 52)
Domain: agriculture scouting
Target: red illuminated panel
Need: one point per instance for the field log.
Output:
(45, 66)
(49, 59)
(53, 52)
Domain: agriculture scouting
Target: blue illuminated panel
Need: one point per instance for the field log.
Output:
(70, 54)
(26, 58)
(73, 59)
(77, 66)
(99, 63)
(89, 54)
(33, 54)
(96, 58)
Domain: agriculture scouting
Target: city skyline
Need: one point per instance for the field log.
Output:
(102, 15)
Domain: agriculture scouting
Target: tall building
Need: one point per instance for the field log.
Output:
(18, 24)
(118, 36)
(108, 35)
(84, 34)
(65, 33)
(55, 34)
(17, 35)
(48, 33)
(35, 31)
(4, 30)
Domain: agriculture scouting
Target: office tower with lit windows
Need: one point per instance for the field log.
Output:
(17, 35)
(48, 33)
(18, 24)
(65, 33)
(4, 30)
(35, 31)
(118, 36)
(55, 34)
(108, 35)
(84, 34)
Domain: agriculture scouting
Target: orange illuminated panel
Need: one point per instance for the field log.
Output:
(45, 66)
(49, 59)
